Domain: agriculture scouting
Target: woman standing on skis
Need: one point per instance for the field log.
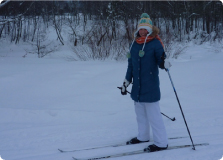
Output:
(145, 56)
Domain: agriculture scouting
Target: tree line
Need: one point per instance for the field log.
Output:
(177, 20)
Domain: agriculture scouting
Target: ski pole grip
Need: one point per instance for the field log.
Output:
(121, 89)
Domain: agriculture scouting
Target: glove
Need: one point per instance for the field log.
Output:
(124, 87)
(167, 64)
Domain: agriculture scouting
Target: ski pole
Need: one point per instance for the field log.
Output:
(180, 108)
(173, 119)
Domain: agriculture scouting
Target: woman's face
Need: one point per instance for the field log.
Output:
(143, 32)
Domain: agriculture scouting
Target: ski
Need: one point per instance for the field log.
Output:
(110, 145)
(137, 152)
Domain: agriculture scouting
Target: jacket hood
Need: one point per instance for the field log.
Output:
(155, 31)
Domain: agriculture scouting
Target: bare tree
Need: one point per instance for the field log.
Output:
(57, 22)
(73, 24)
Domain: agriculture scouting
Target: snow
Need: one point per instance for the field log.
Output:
(51, 103)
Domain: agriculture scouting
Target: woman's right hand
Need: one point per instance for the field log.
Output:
(124, 87)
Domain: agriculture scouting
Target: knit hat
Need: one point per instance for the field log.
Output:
(145, 23)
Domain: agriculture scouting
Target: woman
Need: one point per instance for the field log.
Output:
(145, 56)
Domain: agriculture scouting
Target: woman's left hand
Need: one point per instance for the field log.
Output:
(167, 64)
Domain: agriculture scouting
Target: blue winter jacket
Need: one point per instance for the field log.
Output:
(144, 71)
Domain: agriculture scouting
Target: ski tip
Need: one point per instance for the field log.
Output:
(173, 119)
(60, 150)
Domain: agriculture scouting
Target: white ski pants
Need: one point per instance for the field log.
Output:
(148, 114)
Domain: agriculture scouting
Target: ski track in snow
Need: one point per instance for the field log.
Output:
(48, 104)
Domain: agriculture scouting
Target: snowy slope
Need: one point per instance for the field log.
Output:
(46, 104)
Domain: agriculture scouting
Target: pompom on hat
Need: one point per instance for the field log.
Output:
(145, 23)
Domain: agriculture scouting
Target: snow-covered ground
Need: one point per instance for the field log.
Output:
(51, 103)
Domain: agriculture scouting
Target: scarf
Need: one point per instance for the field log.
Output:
(141, 40)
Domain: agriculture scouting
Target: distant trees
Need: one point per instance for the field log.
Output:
(102, 25)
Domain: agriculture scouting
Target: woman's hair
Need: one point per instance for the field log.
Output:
(138, 35)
